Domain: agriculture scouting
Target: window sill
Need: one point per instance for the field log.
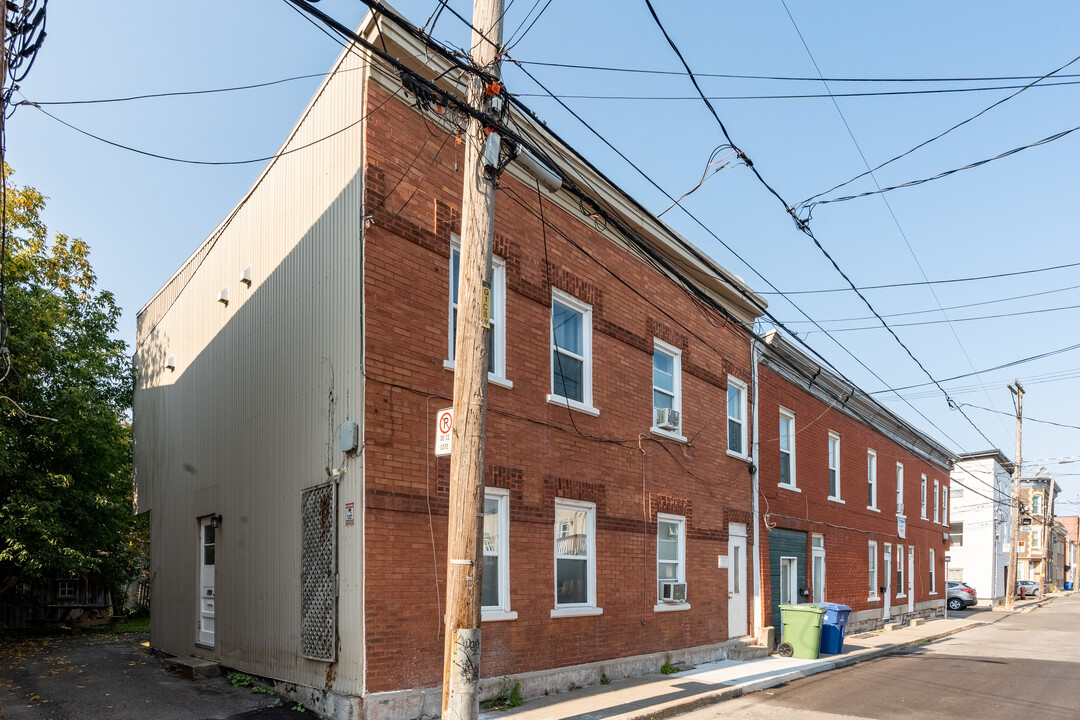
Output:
(576, 612)
(741, 456)
(873, 599)
(493, 379)
(497, 615)
(204, 646)
(671, 607)
(792, 488)
(671, 434)
(837, 500)
(900, 597)
(933, 593)
(573, 405)
(873, 509)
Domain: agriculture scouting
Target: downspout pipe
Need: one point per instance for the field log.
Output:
(759, 612)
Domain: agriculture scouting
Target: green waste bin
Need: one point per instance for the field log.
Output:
(802, 630)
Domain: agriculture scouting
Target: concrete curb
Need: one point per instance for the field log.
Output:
(678, 707)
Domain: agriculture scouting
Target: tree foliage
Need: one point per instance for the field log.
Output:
(65, 432)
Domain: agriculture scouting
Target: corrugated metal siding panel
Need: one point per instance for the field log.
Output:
(784, 543)
(250, 415)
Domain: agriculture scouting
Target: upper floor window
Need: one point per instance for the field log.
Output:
(834, 466)
(1036, 504)
(956, 534)
(937, 503)
(667, 388)
(571, 352)
(923, 495)
(787, 448)
(496, 342)
(899, 488)
(944, 504)
(871, 480)
(736, 414)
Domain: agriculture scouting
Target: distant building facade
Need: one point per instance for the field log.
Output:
(979, 523)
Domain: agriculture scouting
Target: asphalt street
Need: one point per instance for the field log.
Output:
(1022, 665)
(115, 677)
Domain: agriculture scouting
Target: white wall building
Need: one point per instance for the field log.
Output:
(979, 522)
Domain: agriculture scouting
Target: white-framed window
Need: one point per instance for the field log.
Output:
(900, 571)
(575, 558)
(1036, 504)
(933, 573)
(789, 580)
(923, 495)
(670, 556)
(571, 352)
(871, 480)
(899, 488)
(873, 570)
(1036, 540)
(944, 504)
(667, 389)
(495, 588)
(834, 466)
(937, 503)
(956, 534)
(956, 491)
(65, 590)
(787, 449)
(497, 320)
(736, 417)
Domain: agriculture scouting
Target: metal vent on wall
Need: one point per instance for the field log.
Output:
(318, 570)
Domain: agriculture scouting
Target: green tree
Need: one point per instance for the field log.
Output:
(65, 399)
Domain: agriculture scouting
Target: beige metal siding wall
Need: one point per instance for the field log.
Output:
(250, 414)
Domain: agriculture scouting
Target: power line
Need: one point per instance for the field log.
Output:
(679, 73)
(1013, 363)
(929, 282)
(809, 208)
(964, 319)
(803, 225)
(951, 307)
(1026, 417)
(871, 172)
(940, 135)
(801, 96)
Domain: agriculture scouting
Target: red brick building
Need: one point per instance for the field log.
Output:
(855, 500)
(303, 353)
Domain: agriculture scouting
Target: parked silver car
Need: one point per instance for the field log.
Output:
(960, 595)
(1030, 587)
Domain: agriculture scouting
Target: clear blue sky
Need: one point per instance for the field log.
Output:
(143, 216)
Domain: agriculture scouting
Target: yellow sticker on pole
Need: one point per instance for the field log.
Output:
(487, 305)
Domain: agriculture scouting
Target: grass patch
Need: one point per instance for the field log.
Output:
(667, 668)
(508, 697)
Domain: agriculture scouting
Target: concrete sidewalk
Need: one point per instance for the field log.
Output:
(660, 696)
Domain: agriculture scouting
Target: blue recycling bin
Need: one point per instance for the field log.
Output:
(1068, 585)
(833, 626)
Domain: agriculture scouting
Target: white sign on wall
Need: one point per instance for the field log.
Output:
(901, 526)
(444, 431)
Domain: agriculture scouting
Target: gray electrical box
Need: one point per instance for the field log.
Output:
(350, 436)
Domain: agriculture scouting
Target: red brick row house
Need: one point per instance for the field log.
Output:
(289, 378)
(855, 499)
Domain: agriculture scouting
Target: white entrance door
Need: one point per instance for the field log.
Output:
(817, 567)
(207, 544)
(885, 613)
(910, 579)
(736, 580)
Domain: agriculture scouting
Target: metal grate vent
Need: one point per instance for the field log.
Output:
(318, 567)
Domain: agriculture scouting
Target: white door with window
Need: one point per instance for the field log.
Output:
(885, 613)
(737, 580)
(817, 567)
(910, 579)
(207, 545)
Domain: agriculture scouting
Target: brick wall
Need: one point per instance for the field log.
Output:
(849, 526)
(539, 451)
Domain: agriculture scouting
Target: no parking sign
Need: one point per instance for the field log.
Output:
(444, 431)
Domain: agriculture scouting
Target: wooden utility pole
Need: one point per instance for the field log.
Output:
(1014, 523)
(461, 659)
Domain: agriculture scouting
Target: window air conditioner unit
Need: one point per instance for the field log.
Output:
(673, 592)
(667, 419)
